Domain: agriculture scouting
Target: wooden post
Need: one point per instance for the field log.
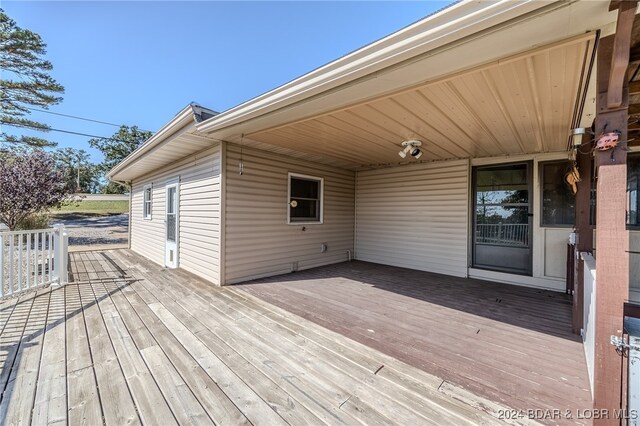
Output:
(584, 232)
(612, 241)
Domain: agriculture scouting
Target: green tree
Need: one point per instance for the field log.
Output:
(115, 149)
(79, 173)
(25, 81)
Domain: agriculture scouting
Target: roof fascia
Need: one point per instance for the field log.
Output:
(184, 117)
(447, 26)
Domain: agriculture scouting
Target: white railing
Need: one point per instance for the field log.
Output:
(510, 234)
(32, 259)
(589, 313)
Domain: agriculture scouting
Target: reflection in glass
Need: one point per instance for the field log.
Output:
(502, 185)
(502, 225)
(558, 202)
(171, 200)
(502, 209)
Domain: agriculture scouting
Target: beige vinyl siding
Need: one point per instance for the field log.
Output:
(199, 214)
(414, 216)
(258, 240)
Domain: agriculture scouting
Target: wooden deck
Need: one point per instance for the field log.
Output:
(509, 344)
(130, 343)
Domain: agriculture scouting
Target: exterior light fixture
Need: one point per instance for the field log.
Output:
(411, 147)
(577, 135)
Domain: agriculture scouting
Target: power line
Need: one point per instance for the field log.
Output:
(77, 118)
(73, 133)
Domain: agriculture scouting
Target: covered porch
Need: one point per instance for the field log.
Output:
(509, 344)
(129, 342)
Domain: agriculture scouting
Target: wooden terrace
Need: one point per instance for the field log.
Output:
(509, 344)
(127, 342)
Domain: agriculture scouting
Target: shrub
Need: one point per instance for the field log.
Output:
(34, 221)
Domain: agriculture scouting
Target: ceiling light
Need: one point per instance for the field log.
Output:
(411, 147)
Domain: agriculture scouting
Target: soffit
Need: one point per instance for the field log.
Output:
(517, 105)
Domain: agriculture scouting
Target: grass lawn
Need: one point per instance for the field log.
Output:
(92, 208)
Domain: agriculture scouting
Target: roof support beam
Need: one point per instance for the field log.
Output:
(612, 242)
(584, 232)
(621, 50)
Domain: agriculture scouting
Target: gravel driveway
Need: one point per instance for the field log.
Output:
(98, 230)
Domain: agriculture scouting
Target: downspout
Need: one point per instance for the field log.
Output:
(355, 217)
(223, 208)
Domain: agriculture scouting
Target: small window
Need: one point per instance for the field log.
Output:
(305, 199)
(558, 202)
(146, 205)
(633, 188)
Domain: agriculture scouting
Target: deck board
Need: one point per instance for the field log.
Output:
(128, 342)
(509, 344)
(83, 401)
(22, 380)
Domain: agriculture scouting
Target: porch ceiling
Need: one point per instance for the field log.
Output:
(517, 105)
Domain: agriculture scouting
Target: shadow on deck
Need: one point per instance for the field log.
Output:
(128, 342)
(510, 344)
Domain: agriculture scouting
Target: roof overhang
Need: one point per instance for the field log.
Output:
(466, 36)
(175, 140)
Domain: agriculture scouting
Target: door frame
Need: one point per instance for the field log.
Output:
(531, 164)
(174, 182)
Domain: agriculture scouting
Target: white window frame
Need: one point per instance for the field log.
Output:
(320, 199)
(148, 216)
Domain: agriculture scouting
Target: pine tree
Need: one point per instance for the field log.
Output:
(25, 81)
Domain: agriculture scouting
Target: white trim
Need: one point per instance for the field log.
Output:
(181, 119)
(553, 284)
(146, 187)
(464, 19)
(320, 198)
(174, 182)
(546, 156)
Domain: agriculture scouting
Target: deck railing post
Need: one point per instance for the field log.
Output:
(60, 249)
(53, 269)
(63, 272)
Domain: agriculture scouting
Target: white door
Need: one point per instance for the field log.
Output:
(171, 225)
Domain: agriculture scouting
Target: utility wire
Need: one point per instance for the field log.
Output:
(77, 118)
(72, 133)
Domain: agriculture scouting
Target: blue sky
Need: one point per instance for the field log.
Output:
(141, 62)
